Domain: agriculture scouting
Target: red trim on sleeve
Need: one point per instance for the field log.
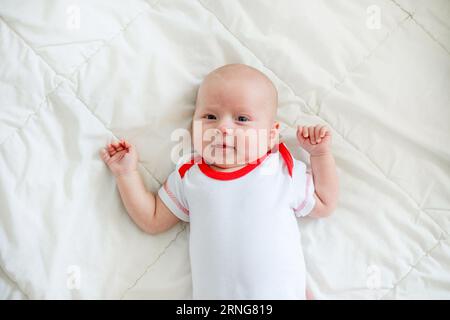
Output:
(174, 199)
(305, 200)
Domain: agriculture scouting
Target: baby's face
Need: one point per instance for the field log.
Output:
(234, 116)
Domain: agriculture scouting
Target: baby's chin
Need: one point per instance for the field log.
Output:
(229, 158)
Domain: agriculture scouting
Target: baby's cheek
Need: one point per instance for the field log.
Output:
(252, 145)
(202, 138)
(198, 143)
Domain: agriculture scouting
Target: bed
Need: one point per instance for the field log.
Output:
(75, 75)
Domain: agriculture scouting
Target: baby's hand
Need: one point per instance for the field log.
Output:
(121, 157)
(315, 140)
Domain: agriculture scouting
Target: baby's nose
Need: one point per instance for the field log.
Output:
(225, 129)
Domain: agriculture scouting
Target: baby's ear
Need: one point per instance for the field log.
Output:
(275, 127)
(274, 132)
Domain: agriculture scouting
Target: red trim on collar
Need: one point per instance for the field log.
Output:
(185, 167)
(287, 157)
(222, 175)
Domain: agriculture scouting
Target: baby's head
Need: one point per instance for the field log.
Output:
(234, 120)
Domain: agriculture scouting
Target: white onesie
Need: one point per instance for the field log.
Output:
(244, 238)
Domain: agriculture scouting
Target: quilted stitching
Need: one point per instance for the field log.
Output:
(317, 113)
(309, 108)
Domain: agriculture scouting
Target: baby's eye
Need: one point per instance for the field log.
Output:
(210, 117)
(242, 119)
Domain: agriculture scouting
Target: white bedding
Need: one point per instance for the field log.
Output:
(131, 69)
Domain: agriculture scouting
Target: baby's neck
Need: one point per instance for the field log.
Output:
(227, 169)
(232, 168)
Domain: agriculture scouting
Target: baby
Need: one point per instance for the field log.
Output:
(241, 190)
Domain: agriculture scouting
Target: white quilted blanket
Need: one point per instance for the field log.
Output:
(76, 74)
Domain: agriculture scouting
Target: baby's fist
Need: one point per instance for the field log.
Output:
(121, 157)
(315, 139)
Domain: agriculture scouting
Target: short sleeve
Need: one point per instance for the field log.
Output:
(173, 195)
(303, 189)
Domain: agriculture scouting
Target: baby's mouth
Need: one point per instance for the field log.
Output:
(223, 146)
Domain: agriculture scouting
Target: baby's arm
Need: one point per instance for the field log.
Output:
(316, 141)
(145, 208)
(325, 184)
